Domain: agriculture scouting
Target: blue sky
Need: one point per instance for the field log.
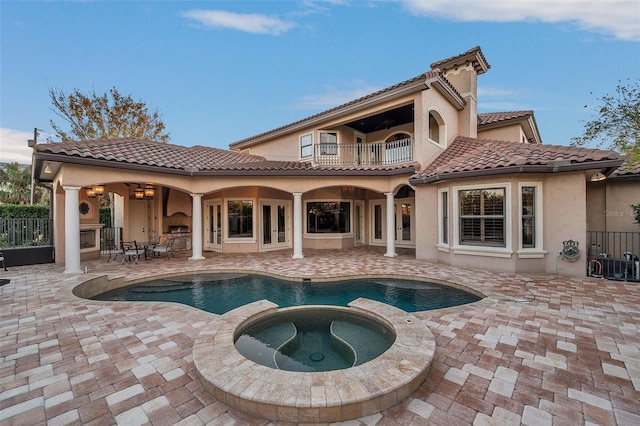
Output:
(220, 71)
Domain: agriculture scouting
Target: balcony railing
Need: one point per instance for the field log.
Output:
(364, 154)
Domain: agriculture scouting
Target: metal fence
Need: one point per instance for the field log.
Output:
(110, 238)
(614, 255)
(25, 232)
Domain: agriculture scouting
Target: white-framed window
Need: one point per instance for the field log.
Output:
(328, 143)
(328, 217)
(240, 219)
(482, 217)
(482, 220)
(306, 145)
(443, 217)
(530, 220)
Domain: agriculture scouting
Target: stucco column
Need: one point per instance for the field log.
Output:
(196, 234)
(71, 230)
(297, 225)
(391, 226)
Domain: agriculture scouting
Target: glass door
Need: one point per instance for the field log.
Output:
(275, 225)
(403, 215)
(359, 223)
(404, 221)
(378, 223)
(213, 225)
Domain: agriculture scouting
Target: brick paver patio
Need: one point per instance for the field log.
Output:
(539, 350)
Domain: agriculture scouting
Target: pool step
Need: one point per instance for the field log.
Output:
(359, 338)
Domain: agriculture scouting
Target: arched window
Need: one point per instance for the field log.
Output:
(437, 132)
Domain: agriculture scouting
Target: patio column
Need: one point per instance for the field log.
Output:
(391, 225)
(297, 225)
(196, 234)
(71, 230)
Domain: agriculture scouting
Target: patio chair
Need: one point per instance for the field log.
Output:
(167, 248)
(114, 250)
(132, 251)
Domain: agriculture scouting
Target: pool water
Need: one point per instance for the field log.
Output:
(220, 293)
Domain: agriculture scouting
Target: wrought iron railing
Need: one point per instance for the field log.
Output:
(29, 232)
(110, 238)
(364, 154)
(614, 255)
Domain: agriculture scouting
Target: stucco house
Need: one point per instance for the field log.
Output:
(413, 166)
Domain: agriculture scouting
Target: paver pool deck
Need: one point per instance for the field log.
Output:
(538, 350)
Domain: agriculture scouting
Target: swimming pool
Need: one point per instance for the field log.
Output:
(219, 293)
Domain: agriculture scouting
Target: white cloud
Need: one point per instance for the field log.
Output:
(251, 23)
(13, 146)
(620, 18)
(333, 96)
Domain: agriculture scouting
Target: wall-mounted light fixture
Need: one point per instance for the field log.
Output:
(99, 189)
(139, 193)
(149, 191)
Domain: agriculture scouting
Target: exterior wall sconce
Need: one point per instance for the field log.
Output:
(149, 191)
(99, 189)
(598, 177)
(139, 193)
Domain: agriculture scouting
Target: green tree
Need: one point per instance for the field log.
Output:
(15, 184)
(106, 116)
(617, 125)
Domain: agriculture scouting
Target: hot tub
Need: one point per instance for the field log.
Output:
(313, 396)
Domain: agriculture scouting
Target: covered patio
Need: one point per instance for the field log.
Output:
(539, 349)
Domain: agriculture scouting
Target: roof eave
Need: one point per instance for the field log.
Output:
(385, 96)
(42, 156)
(447, 91)
(608, 166)
(528, 121)
(96, 162)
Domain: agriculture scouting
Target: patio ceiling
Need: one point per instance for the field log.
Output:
(384, 120)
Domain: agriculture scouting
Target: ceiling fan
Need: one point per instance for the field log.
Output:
(385, 124)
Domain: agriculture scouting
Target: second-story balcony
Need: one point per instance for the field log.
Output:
(364, 154)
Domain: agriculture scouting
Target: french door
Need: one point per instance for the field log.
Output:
(404, 232)
(275, 232)
(213, 225)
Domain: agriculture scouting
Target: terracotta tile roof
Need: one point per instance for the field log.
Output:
(150, 153)
(497, 117)
(474, 55)
(627, 170)
(425, 76)
(134, 153)
(484, 156)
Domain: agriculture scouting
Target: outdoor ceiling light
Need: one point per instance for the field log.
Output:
(99, 189)
(598, 177)
(149, 191)
(90, 192)
(47, 169)
(139, 193)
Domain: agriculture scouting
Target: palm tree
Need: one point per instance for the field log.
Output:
(15, 186)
